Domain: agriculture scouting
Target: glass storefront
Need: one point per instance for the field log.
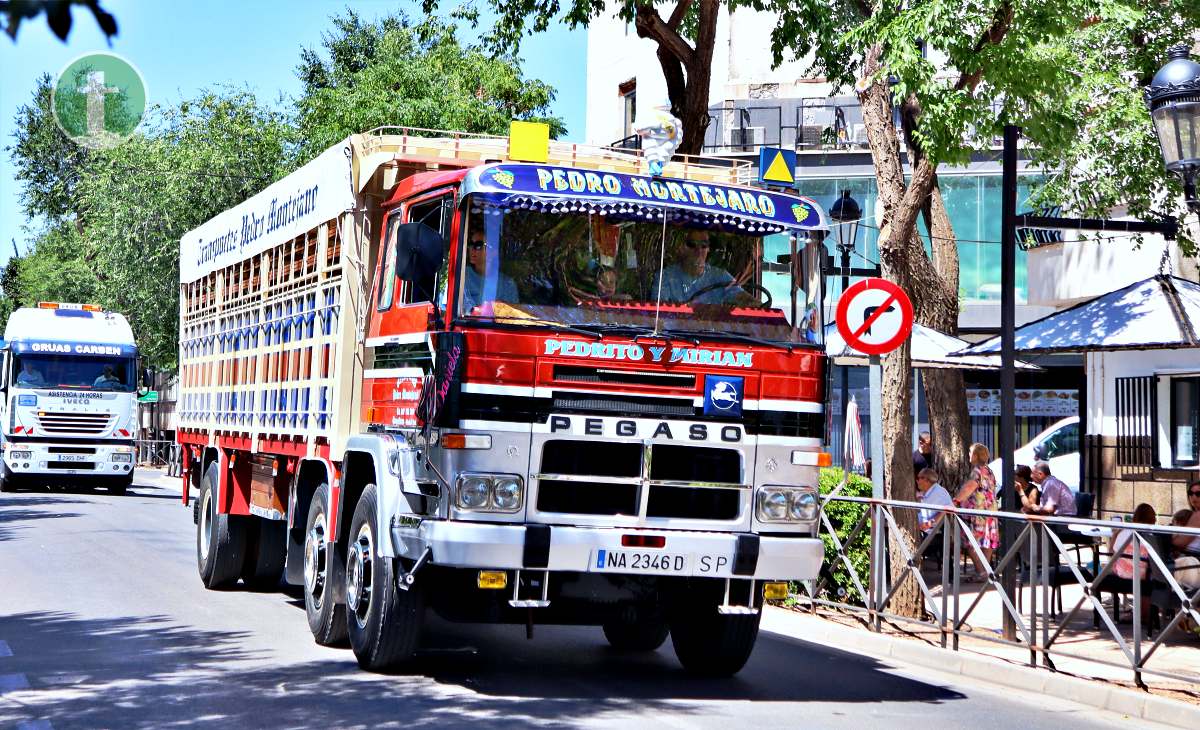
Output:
(973, 202)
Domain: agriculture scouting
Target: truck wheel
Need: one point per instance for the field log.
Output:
(220, 539)
(120, 486)
(384, 621)
(264, 561)
(322, 568)
(709, 643)
(8, 482)
(646, 635)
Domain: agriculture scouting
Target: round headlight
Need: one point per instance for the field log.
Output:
(804, 506)
(473, 493)
(772, 505)
(506, 495)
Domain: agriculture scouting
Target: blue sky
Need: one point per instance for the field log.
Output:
(182, 46)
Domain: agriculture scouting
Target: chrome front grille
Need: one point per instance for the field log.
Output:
(640, 480)
(73, 423)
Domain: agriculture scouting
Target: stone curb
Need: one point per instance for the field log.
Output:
(994, 671)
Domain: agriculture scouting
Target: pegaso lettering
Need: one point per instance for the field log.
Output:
(629, 428)
(632, 352)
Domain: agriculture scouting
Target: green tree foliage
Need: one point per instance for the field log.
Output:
(395, 72)
(57, 269)
(48, 164)
(199, 158)
(58, 15)
(845, 516)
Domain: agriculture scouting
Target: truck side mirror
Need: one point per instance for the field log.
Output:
(147, 378)
(419, 251)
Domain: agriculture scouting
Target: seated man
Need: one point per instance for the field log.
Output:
(28, 376)
(691, 274)
(476, 271)
(107, 379)
(931, 493)
(1056, 497)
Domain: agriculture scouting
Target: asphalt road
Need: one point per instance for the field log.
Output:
(104, 623)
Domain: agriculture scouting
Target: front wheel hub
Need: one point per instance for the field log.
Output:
(358, 574)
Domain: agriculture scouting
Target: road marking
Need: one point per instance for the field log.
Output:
(4, 650)
(13, 682)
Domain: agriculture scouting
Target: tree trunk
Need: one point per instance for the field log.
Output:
(686, 69)
(897, 365)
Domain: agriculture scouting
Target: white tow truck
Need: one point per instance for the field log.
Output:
(69, 398)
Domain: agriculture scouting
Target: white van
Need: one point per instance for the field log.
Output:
(1058, 446)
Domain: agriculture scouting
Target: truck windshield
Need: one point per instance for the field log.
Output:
(75, 372)
(591, 272)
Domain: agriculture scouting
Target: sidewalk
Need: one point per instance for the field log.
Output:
(1085, 682)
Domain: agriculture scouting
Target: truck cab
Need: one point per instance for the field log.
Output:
(69, 403)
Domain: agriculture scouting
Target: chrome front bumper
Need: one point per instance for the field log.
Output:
(576, 549)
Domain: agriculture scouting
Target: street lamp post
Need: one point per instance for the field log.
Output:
(1174, 100)
(846, 213)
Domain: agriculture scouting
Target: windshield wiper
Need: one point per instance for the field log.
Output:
(642, 332)
(736, 336)
(534, 321)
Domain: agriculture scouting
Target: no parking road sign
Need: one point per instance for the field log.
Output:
(874, 316)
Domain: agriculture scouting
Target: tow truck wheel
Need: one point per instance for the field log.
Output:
(384, 621)
(220, 539)
(8, 482)
(120, 486)
(645, 635)
(265, 559)
(322, 567)
(708, 643)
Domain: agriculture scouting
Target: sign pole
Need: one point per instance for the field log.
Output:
(1008, 421)
(876, 383)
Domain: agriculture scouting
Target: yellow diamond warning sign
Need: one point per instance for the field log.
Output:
(776, 166)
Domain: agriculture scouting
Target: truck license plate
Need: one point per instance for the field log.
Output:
(640, 561)
(72, 457)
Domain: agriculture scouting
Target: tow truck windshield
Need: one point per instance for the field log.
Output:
(74, 372)
(592, 272)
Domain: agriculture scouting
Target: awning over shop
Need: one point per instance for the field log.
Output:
(1159, 313)
(929, 348)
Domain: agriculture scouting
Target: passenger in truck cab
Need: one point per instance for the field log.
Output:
(476, 272)
(107, 379)
(692, 279)
(29, 376)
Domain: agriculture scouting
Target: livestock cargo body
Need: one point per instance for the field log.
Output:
(417, 375)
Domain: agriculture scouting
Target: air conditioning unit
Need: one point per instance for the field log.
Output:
(746, 139)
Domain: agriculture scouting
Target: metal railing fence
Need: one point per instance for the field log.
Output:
(1042, 551)
(159, 454)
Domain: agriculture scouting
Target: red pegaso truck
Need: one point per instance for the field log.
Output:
(417, 376)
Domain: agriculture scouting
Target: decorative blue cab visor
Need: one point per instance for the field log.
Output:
(567, 190)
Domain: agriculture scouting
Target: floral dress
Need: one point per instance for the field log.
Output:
(986, 529)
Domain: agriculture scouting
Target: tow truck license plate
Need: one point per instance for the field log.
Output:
(640, 561)
(71, 457)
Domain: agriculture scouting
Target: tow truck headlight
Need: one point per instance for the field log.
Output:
(786, 504)
(489, 493)
(20, 455)
(122, 458)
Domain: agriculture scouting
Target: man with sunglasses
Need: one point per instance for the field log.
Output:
(476, 272)
(1187, 543)
(684, 280)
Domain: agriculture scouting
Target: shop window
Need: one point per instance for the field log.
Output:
(1185, 421)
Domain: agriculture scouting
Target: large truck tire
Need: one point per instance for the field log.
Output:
(643, 635)
(322, 571)
(384, 621)
(220, 539)
(708, 643)
(120, 485)
(8, 481)
(264, 561)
